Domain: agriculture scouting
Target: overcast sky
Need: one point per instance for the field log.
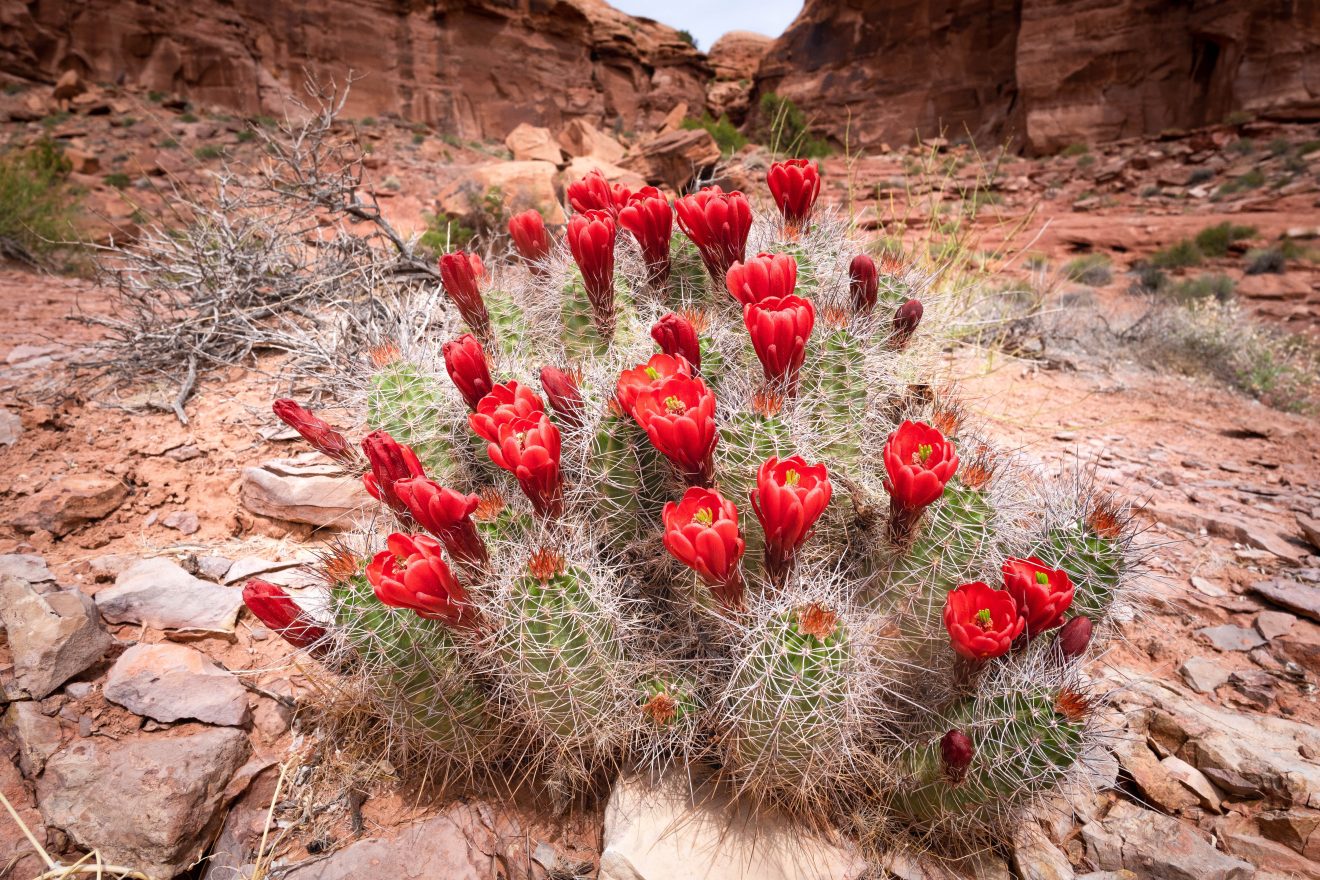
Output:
(708, 19)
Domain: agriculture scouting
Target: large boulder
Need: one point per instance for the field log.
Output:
(160, 594)
(581, 139)
(169, 682)
(52, 636)
(317, 494)
(533, 143)
(513, 187)
(675, 158)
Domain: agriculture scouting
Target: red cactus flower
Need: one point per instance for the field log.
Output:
(391, 462)
(718, 223)
(863, 284)
(412, 574)
(679, 417)
(504, 403)
(561, 389)
(650, 219)
(789, 497)
(779, 327)
(591, 239)
(447, 515)
(1043, 594)
(465, 361)
(701, 531)
(906, 319)
(652, 374)
(918, 462)
(531, 238)
(594, 193)
(762, 277)
(462, 273)
(982, 622)
(794, 185)
(677, 337)
(956, 753)
(316, 431)
(529, 449)
(274, 608)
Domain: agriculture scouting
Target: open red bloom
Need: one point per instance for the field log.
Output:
(316, 431)
(863, 284)
(789, 497)
(561, 389)
(652, 374)
(762, 277)
(505, 402)
(274, 608)
(701, 531)
(677, 337)
(391, 462)
(591, 239)
(982, 622)
(531, 238)
(462, 273)
(918, 462)
(718, 223)
(446, 514)
(779, 327)
(528, 448)
(594, 193)
(1043, 594)
(465, 361)
(794, 185)
(679, 417)
(650, 219)
(906, 319)
(413, 574)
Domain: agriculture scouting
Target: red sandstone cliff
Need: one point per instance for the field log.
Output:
(476, 68)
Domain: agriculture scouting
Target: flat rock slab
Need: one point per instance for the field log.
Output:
(147, 801)
(161, 595)
(1203, 675)
(316, 494)
(1153, 845)
(1231, 638)
(26, 566)
(1304, 599)
(657, 830)
(53, 636)
(169, 682)
(71, 502)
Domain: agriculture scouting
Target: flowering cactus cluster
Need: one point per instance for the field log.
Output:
(691, 500)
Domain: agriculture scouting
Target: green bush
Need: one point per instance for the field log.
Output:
(686, 36)
(1075, 150)
(444, 233)
(725, 133)
(118, 180)
(209, 151)
(246, 136)
(37, 206)
(1266, 261)
(1203, 287)
(1214, 241)
(1092, 270)
(1253, 179)
(1182, 255)
(784, 128)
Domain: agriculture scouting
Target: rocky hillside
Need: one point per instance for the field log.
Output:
(1045, 72)
(474, 68)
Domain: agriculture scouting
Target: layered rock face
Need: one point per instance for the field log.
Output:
(1044, 72)
(735, 58)
(476, 68)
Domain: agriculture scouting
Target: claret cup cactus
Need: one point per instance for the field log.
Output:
(687, 498)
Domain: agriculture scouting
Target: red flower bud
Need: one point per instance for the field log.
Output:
(652, 374)
(504, 403)
(677, 337)
(650, 219)
(701, 531)
(982, 622)
(679, 417)
(561, 389)
(446, 514)
(531, 238)
(465, 361)
(274, 608)
(956, 752)
(1043, 594)
(591, 239)
(1073, 637)
(918, 462)
(762, 277)
(529, 449)
(391, 462)
(863, 284)
(779, 327)
(794, 185)
(413, 574)
(594, 193)
(789, 497)
(323, 438)
(906, 319)
(461, 273)
(718, 223)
